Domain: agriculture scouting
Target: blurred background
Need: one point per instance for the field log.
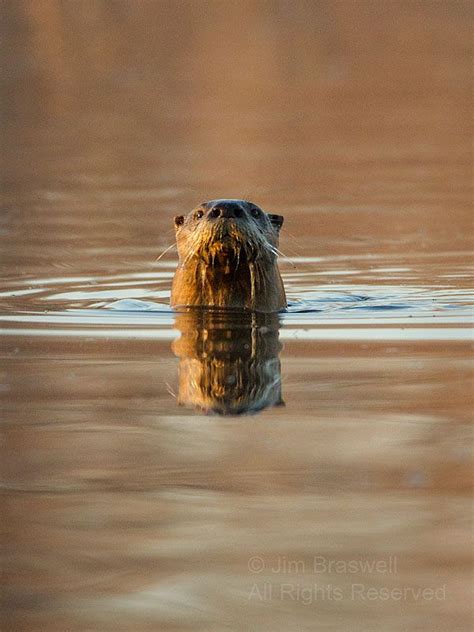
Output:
(352, 116)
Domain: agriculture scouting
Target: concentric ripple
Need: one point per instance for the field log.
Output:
(365, 297)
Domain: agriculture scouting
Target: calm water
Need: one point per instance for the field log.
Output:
(342, 500)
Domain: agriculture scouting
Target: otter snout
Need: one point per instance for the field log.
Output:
(225, 210)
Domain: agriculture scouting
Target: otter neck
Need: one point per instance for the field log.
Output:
(238, 287)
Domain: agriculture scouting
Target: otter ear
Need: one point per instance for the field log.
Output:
(276, 220)
(178, 221)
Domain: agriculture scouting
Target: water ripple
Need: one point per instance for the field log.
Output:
(409, 301)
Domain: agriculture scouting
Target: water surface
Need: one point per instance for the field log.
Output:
(124, 510)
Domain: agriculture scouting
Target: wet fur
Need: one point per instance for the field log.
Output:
(228, 263)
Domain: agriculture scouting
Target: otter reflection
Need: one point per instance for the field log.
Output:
(229, 362)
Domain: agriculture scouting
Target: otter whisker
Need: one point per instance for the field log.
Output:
(273, 250)
(287, 258)
(295, 244)
(165, 251)
(192, 249)
(170, 390)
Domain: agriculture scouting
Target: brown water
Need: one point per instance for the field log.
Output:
(349, 507)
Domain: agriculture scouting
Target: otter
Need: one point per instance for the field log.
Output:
(228, 253)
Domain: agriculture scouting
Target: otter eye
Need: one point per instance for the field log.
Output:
(255, 212)
(199, 214)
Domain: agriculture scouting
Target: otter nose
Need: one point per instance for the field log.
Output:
(229, 210)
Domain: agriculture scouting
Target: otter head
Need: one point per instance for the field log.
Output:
(227, 252)
(227, 233)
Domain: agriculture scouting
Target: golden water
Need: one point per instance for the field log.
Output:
(124, 511)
